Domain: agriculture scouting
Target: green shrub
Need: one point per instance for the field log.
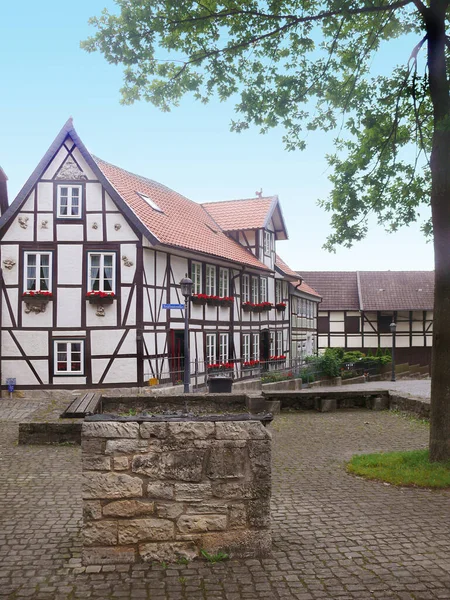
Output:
(349, 374)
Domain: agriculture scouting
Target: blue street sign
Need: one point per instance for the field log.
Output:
(169, 306)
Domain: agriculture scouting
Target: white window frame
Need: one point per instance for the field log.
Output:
(101, 279)
(224, 347)
(256, 346)
(246, 347)
(267, 242)
(210, 280)
(211, 348)
(196, 276)
(279, 343)
(70, 189)
(224, 282)
(68, 351)
(271, 343)
(38, 255)
(245, 282)
(278, 291)
(263, 289)
(255, 290)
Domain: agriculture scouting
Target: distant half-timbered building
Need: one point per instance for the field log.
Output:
(90, 253)
(359, 306)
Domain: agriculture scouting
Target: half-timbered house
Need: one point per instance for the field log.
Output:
(90, 253)
(359, 306)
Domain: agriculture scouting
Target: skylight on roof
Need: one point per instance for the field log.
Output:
(150, 202)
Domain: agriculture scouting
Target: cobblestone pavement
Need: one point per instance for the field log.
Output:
(334, 535)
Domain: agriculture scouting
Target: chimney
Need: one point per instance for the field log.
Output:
(3, 192)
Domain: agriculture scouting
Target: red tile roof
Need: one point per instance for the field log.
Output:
(304, 287)
(284, 268)
(235, 215)
(373, 290)
(397, 290)
(180, 222)
(339, 289)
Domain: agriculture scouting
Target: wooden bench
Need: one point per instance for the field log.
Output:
(82, 406)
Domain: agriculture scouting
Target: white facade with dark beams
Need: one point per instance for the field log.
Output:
(90, 253)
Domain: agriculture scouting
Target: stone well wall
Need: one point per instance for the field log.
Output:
(165, 490)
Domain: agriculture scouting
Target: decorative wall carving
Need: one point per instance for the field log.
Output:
(100, 311)
(94, 225)
(36, 307)
(70, 170)
(23, 221)
(127, 262)
(44, 224)
(8, 263)
(117, 226)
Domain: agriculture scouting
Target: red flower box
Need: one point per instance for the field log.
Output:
(96, 297)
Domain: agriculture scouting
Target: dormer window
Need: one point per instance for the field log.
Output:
(150, 202)
(69, 198)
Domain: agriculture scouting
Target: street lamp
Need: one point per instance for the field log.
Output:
(393, 328)
(186, 289)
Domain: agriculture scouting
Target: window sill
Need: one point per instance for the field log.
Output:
(100, 299)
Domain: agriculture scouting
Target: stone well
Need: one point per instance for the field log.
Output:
(157, 490)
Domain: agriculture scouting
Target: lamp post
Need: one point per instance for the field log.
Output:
(393, 328)
(186, 289)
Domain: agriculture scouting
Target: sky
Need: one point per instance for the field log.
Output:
(46, 78)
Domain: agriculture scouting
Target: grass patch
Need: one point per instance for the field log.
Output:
(402, 468)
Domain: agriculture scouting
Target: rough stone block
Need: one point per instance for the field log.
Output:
(100, 533)
(170, 510)
(201, 523)
(206, 508)
(96, 463)
(112, 555)
(92, 446)
(141, 530)
(160, 491)
(191, 430)
(380, 403)
(241, 430)
(239, 543)
(121, 463)
(126, 446)
(181, 465)
(237, 516)
(110, 485)
(92, 510)
(225, 463)
(326, 404)
(169, 551)
(110, 429)
(258, 512)
(260, 458)
(192, 492)
(231, 489)
(129, 508)
(153, 430)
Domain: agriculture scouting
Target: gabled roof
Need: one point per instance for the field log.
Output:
(284, 269)
(373, 290)
(250, 213)
(305, 288)
(339, 289)
(179, 223)
(397, 290)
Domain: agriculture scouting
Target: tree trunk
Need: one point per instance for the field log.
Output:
(440, 208)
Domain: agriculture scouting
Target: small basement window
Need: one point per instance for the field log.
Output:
(69, 357)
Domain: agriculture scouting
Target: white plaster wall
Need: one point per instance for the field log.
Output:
(323, 341)
(149, 338)
(67, 334)
(123, 370)
(196, 311)
(127, 273)
(161, 262)
(45, 196)
(69, 307)
(16, 233)
(124, 233)
(29, 202)
(32, 319)
(9, 347)
(131, 319)
(129, 344)
(385, 341)
(179, 268)
(45, 234)
(370, 341)
(34, 343)
(20, 370)
(149, 262)
(160, 313)
(69, 233)
(401, 341)
(55, 164)
(108, 320)
(417, 340)
(98, 365)
(83, 164)
(338, 341)
(224, 314)
(41, 367)
(94, 235)
(335, 327)
(105, 341)
(93, 196)
(6, 320)
(429, 340)
(10, 251)
(69, 381)
(109, 203)
(70, 264)
(336, 315)
(161, 339)
(354, 342)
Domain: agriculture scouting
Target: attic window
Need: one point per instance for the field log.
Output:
(212, 228)
(150, 202)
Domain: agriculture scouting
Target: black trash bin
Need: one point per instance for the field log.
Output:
(220, 384)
